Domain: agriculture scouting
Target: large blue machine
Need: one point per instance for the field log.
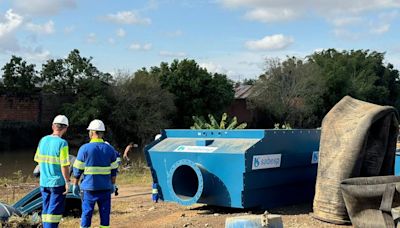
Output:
(235, 168)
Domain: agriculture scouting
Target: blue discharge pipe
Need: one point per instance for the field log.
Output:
(188, 182)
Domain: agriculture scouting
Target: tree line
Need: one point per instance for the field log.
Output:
(294, 91)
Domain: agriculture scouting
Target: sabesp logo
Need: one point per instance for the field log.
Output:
(256, 163)
(271, 162)
(266, 161)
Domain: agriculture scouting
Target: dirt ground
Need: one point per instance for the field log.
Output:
(133, 207)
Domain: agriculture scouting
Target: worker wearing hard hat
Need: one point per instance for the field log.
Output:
(97, 161)
(52, 156)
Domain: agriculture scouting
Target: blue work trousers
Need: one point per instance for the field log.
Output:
(103, 200)
(53, 205)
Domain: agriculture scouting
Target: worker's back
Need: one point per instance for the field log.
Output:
(99, 160)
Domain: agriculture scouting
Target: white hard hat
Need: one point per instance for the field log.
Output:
(96, 125)
(61, 119)
(157, 136)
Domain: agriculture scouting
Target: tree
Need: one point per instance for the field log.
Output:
(142, 108)
(64, 76)
(284, 89)
(358, 73)
(19, 76)
(78, 77)
(197, 92)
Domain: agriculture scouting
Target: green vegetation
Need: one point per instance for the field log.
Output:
(300, 92)
(135, 107)
(197, 92)
(224, 123)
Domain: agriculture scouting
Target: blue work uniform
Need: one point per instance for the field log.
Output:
(97, 161)
(51, 154)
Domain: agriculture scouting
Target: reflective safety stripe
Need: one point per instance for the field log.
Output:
(114, 165)
(64, 160)
(51, 218)
(103, 226)
(47, 159)
(154, 191)
(97, 170)
(36, 159)
(79, 165)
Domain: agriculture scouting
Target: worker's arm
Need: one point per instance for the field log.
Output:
(127, 149)
(65, 173)
(64, 162)
(114, 167)
(79, 165)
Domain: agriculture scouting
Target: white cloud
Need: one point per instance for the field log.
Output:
(271, 15)
(47, 28)
(140, 47)
(91, 38)
(9, 24)
(270, 43)
(215, 68)
(346, 34)
(345, 21)
(128, 18)
(111, 40)
(282, 10)
(36, 55)
(120, 32)
(176, 33)
(43, 7)
(69, 29)
(172, 54)
(380, 29)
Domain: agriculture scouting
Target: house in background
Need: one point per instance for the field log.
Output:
(239, 106)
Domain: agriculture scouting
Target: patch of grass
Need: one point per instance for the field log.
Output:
(136, 173)
(17, 178)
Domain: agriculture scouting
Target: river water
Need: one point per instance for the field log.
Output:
(22, 160)
(19, 160)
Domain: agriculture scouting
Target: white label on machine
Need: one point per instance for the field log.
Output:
(266, 161)
(198, 149)
(314, 158)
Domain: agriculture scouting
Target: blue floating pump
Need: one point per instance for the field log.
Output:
(235, 168)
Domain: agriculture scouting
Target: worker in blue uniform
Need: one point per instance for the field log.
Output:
(53, 159)
(97, 162)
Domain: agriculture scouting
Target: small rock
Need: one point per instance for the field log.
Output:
(206, 225)
(187, 224)
(183, 215)
(216, 214)
(152, 208)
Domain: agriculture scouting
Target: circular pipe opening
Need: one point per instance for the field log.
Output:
(185, 182)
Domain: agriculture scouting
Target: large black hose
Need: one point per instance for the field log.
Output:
(358, 139)
(369, 200)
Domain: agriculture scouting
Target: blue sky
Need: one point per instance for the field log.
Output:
(226, 36)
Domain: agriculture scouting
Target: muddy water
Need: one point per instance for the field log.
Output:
(15, 160)
(22, 160)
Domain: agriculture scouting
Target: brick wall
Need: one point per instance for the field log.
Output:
(13, 108)
(40, 108)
